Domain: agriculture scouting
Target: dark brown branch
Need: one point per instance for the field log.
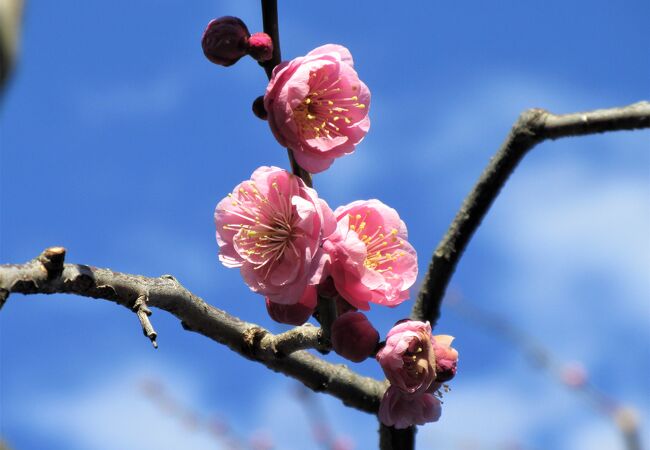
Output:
(271, 27)
(249, 340)
(391, 438)
(532, 127)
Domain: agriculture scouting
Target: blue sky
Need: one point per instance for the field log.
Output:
(118, 138)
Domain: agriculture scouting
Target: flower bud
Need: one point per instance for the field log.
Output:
(353, 336)
(260, 47)
(258, 108)
(295, 314)
(446, 357)
(225, 40)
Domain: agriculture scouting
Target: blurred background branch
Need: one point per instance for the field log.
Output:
(10, 22)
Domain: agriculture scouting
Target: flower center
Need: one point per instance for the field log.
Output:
(324, 108)
(267, 230)
(381, 248)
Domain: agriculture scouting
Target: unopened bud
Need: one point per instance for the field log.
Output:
(260, 47)
(295, 314)
(258, 108)
(354, 337)
(225, 40)
(446, 357)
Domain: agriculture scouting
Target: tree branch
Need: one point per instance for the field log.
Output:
(532, 127)
(391, 438)
(281, 353)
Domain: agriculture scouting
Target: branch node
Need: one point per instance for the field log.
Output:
(251, 339)
(143, 312)
(52, 261)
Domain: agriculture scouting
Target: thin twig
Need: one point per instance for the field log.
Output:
(143, 313)
(532, 127)
(246, 339)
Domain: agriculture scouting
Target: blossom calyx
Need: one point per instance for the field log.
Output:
(225, 40)
(353, 336)
(408, 357)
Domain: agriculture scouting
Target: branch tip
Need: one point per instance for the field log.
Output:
(143, 312)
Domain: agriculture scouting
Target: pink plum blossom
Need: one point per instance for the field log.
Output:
(272, 227)
(446, 357)
(407, 358)
(353, 336)
(318, 107)
(297, 313)
(400, 410)
(370, 258)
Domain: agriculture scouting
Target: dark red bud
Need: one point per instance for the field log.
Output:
(353, 336)
(260, 47)
(295, 314)
(258, 108)
(225, 40)
(290, 314)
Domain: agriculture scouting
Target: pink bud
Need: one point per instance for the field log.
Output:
(353, 336)
(260, 47)
(574, 375)
(446, 357)
(295, 314)
(225, 40)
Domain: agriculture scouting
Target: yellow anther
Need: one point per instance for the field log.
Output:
(308, 100)
(330, 102)
(355, 98)
(311, 116)
(360, 105)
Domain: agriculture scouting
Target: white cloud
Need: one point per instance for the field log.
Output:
(114, 413)
(562, 222)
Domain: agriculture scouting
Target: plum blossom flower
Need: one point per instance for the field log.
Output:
(407, 358)
(318, 107)
(272, 227)
(370, 258)
(353, 336)
(401, 410)
(297, 313)
(446, 357)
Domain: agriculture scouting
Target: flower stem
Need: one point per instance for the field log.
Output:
(270, 21)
